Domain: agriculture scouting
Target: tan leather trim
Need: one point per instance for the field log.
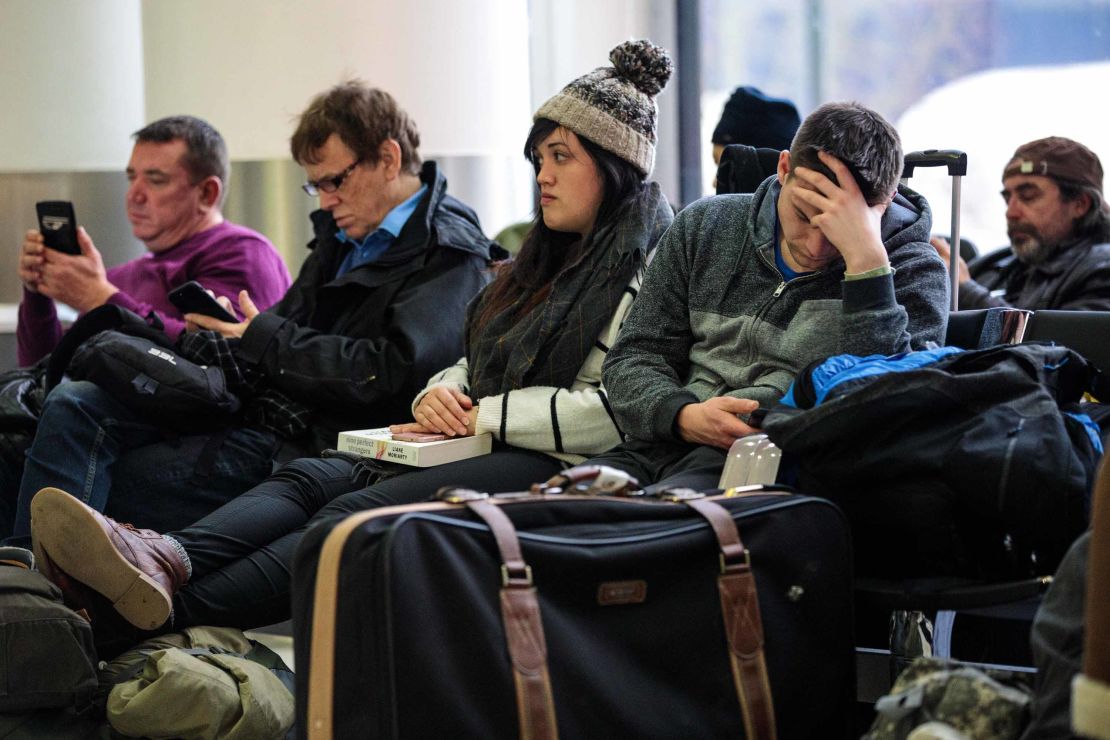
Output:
(751, 700)
(746, 657)
(520, 614)
(505, 533)
(321, 672)
(1096, 652)
(740, 606)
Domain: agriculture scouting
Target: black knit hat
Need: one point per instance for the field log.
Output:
(752, 118)
(614, 107)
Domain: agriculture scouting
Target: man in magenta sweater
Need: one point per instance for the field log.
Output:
(178, 176)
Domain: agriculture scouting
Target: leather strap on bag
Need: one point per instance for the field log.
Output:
(520, 613)
(743, 627)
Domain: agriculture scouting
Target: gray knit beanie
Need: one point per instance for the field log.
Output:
(614, 107)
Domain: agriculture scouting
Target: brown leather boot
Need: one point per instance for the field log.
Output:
(135, 569)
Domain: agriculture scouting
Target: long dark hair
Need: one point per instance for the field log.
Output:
(1095, 223)
(545, 252)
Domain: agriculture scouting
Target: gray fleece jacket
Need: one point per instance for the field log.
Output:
(715, 317)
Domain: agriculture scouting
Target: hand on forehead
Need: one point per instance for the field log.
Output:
(801, 203)
(821, 184)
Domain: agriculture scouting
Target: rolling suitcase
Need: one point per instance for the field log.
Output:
(570, 616)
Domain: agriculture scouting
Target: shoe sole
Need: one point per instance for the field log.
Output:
(66, 531)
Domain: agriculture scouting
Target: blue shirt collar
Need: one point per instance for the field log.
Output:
(393, 222)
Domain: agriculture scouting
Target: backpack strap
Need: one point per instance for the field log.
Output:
(209, 456)
(138, 666)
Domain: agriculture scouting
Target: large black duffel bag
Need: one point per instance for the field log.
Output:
(418, 622)
(970, 464)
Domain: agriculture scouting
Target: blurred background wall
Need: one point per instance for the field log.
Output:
(77, 77)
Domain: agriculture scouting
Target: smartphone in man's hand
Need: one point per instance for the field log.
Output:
(58, 225)
(191, 297)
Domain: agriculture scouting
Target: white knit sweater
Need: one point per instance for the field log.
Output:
(568, 424)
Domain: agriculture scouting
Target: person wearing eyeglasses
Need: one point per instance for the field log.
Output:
(536, 340)
(377, 308)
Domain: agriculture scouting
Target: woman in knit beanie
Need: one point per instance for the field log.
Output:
(602, 127)
(537, 336)
(535, 342)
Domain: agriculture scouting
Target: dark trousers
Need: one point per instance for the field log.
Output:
(662, 465)
(241, 553)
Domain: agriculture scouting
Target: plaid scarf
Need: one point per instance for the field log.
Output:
(264, 407)
(548, 345)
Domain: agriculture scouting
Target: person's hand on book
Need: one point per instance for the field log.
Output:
(444, 410)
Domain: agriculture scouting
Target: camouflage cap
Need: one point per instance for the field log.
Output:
(939, 695)
(1058, 158)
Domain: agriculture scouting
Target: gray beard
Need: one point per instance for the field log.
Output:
(1033, 251)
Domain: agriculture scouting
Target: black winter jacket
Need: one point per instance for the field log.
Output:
(355, 349)
(1075, 278)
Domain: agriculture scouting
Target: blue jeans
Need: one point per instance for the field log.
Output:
(92, 447)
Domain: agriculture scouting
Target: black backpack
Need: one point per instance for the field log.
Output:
(138, 365)
(970, 466)
(47, 658)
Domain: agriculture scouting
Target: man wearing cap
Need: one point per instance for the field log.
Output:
(753, 129)
(1059, 228)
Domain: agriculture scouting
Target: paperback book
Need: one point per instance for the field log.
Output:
(380, 445)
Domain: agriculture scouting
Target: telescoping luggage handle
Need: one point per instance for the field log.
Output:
(956, 162)
(524, 628)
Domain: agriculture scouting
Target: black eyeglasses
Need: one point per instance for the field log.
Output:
(329, 184)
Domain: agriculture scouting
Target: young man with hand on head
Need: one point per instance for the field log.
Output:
(828, 256)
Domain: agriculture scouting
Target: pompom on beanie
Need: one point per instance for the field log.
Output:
(614, 107)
